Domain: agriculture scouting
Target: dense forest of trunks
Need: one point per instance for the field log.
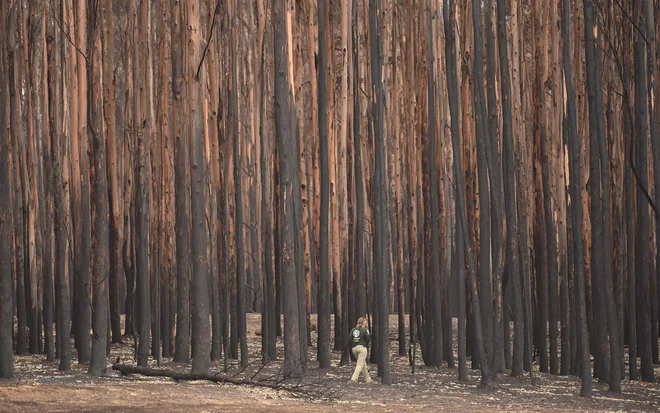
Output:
(184, 163)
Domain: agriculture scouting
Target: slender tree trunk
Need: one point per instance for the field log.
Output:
(144, 175)
(201, 347)
(179, 46)
(483, 136)
(324, 282)
(109, 111)
(293, 359)
(576, 197)
(655, 143)
(381, 236)
(83, 221)
(99, 196)
(434, 214)
(495, 171)
(643, 267)
(6, 314)
(452, 89)
(509, 193)
(240, 260)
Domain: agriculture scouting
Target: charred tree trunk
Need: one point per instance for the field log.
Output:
(512, 241)
(6, 313)
(144, 184)
(576, 200)
(483, 137)
(324, 280)
(182, 339)
(642, 267)
(240, 259)
(99, 196)
(293, 359)
(433, 276)
(201, 348)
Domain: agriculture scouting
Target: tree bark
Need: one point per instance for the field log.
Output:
(6, 314)
(324, 282)
(201, 347)
(143, 207)
(642, 267)
(293, 359)
(576, 200)
(179, 120)
(512, 241)
(99, 196)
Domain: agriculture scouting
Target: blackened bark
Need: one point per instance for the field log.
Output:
(62, 222)
(601, 360)
(576, 215)
(269, 339)
(53, 69)
(324, 280)
(655, 142)
(293, 363)
(452, 89)
(434, 214)
(642, 267)
(548, 298)
(6, 302)
(381, 235)
(360, 265)
(509, 193)
(99, 196)
(483, 136)
(495, 174)
(182, 197)
(16, 126)
(240, 258)
(201, 334)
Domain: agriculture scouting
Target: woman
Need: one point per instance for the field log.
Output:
(360, 339)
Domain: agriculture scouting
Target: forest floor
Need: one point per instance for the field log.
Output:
(40, 387)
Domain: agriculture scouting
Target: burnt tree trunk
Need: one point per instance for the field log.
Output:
(293, 359)
(201, 347)
(6, 313)
(574, 149)
(99, 196)
(182, 201)
(512, 242)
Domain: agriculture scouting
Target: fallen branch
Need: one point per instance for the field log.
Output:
(296, 391)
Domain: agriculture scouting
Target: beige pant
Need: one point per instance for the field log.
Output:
(360, 352)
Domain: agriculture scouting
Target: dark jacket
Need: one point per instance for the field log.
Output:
(360, 337)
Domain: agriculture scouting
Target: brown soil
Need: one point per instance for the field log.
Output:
(39, 387)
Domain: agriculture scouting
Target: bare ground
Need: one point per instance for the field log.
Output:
(39, 387)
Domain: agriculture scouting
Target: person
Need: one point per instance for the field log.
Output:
(360, 339)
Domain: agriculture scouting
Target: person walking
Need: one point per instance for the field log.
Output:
(360, 339)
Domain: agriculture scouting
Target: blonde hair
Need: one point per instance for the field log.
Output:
(362, 322)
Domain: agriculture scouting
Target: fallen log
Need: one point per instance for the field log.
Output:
(296, 390)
